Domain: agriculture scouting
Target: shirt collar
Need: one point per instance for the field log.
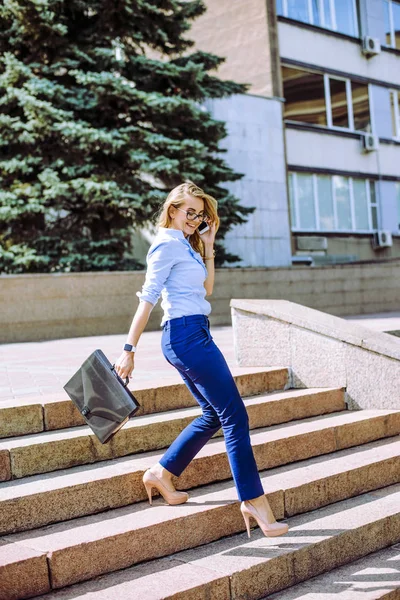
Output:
(176, 233)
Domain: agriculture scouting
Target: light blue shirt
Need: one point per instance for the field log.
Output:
(177, 272)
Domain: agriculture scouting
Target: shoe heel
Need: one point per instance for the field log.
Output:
(149, 488)
(246, 518)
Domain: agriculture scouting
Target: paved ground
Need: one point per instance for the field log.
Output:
(42, 368)
(38, 369)
(379, 322)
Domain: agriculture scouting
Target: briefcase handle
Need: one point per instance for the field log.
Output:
(116, 374)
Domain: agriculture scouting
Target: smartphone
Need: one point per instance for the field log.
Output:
(203, 227)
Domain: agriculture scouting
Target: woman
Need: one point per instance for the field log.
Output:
(181, 268)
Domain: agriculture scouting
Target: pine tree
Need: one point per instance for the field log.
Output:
(101, 113)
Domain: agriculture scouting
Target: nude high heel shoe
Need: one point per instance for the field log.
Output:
(150, 480)
(269, 529)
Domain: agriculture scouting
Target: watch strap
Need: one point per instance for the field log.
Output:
(129, 348)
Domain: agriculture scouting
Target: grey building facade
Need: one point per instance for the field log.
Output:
(318, 134)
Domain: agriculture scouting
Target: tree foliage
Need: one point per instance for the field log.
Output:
(101, 113)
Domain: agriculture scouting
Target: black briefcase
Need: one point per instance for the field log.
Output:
(101, 396)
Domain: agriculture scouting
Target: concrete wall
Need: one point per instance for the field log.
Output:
(359, 246)
(314, 149)
(255, 146)
(45, 306)
(244, 33)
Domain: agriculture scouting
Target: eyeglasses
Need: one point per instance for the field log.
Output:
(191, 215)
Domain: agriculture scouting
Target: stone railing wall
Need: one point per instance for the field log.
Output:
(320, 349)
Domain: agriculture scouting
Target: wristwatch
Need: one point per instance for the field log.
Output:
(129, 348)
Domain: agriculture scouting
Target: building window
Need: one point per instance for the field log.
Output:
(324, 100)
(345, 16)
(339, 15)
(360, 101)
(339, 103)
(305, 96)
(392, 23)
(361, 204)
(398, 204)
(305, 201)
(325, 203)
(333, 203)
(395, 110)
(374, 205)
(341, 193)
(298, 10)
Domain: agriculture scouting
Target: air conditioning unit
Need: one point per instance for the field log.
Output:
(371, 46)
(383, 239)
(370, 142)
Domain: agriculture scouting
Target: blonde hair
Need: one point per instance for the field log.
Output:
(177, 197)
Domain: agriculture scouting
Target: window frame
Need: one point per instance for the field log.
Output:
(295, 219)
(395, 95)
(398, 204)
(391, 25)
(328, 103)
(332, 15)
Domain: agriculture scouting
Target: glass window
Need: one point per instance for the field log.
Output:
(344, 204)
(393, 111)
(305, 96)
(360, 97)
(396, 23)
(386, 16)
(392, 23)
(340, 117)
(317, 18)
(361, 208)
(344, 12)
(325, 203)
(327, 14)
(291, 200)
(305, 197)
(398, 204)
(298, 9)
(279, 7)
(342, 199)
(374, 207)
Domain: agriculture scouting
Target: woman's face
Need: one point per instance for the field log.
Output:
(179, 218)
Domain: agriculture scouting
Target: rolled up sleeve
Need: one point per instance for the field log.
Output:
(160, 261)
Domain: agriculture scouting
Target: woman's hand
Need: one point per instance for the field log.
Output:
(125, 364)
(209, 236)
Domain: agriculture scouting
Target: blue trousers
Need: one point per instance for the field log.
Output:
(187, 344)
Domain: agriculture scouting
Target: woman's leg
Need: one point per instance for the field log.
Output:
(190, 348)
(195, 435)
(192, 439)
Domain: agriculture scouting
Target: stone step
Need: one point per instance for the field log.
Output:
(28, 416)
(52, 450)
(43, 499)
(373, 577)
(85, 548)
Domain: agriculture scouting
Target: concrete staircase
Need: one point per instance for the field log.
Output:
(75, 513)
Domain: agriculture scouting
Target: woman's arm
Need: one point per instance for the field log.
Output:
(208, 240)
(139, 322)
(160, 260)
(126, 362)
(209, 262)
